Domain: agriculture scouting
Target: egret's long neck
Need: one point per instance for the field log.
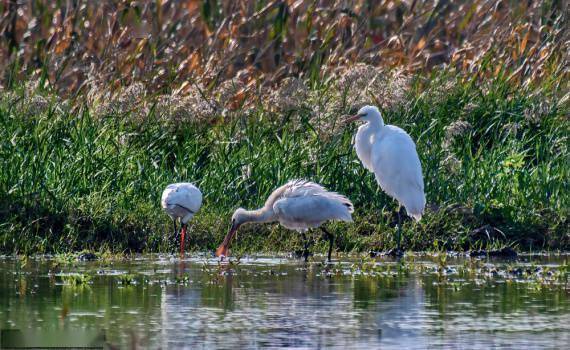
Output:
(264, 214)
(375, 124)
(368, 132)
(364, 139)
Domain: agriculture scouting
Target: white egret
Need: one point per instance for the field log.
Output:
(390, 153)
(181, 201)
(297, 205)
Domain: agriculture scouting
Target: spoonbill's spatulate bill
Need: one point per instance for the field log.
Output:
(298, 205)
(390, 153)
(181, 201)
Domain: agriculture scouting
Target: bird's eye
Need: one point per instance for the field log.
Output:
(362, 115)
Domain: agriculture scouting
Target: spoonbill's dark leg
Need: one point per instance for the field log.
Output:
(330, 237)
(305, 247)
(174, 226)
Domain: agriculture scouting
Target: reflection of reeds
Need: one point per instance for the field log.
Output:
(69, 45)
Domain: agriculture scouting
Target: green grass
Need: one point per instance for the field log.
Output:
(70, 181)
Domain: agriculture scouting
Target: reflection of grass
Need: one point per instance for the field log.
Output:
(76, 280)
(215, 273)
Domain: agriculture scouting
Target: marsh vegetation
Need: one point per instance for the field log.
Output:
(102, 106)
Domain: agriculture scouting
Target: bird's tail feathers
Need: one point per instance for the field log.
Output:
(187, 218)
(346, 207)
(417, 216)
(416, 210)
(415, 206)
(346, 202)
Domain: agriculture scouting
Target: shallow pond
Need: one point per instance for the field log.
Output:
(259, 302)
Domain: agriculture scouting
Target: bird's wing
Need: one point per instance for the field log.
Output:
(293, 188)
(300, 187)
(395, 159)
(311, 210)
(398, 170)
(306, 195)
(183, 195)
(303, 188)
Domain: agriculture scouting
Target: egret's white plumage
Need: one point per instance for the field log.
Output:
(390, 153)
(297, 205)
(181, 201)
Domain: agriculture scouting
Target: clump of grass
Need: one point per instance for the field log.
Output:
(127, 279)
(76, 280)
(66, 258)
(183, 280)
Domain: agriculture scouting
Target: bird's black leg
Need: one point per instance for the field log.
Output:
(399, 235)
(330, 237)
(305, 247)
(174, 226)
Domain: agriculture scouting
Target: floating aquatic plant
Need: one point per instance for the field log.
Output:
(127, 279)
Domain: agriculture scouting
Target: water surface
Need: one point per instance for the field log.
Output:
(418, 302)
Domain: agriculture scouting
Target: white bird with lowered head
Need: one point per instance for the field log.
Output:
(181, 201)
(390, 153)
(297, 205)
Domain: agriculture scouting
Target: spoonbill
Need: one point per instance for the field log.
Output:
(390, 153)
(181, 201)
(297, 205)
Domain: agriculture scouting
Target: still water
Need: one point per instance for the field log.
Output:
(159, 301)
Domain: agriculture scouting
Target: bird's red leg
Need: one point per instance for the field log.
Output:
(182, 235)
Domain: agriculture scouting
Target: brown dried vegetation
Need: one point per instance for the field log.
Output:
(175, 46)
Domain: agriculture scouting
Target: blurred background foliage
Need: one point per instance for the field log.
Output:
(73, 45)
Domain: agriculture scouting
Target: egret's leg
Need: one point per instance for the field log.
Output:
(399, 235)
(330, 237)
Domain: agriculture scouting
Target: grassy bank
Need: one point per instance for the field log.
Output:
(494, 155)
(103, 104)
